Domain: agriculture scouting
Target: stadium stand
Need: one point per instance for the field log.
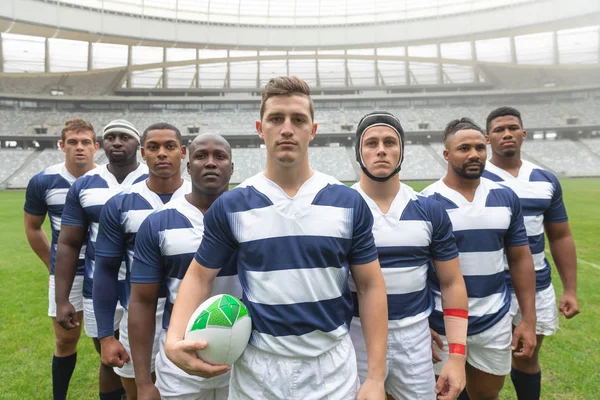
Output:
(12, 160)
(89, 84)
(593, 145)
(564, 157)
(420, 162)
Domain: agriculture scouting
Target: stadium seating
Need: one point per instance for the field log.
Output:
(564, 157)
(12, 159)
(420, 162)
(593, 145)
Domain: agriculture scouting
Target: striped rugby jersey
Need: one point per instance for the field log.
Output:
(46, 193)
(293, 258)
(85, 201)
(120, 220)
(413, 231)
(541, 200)
(482, 229)
(165, 246)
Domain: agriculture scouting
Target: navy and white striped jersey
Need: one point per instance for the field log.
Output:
(482, 229)
(84, 203)
(293, 258)
(46, 193)
(165, 246)
(415, 230)
(120, 220)
(541, 199)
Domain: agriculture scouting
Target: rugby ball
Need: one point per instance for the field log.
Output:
(224, 323)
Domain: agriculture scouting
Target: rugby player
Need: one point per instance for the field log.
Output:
(85, 200)
(409, 231)
(298, 233)
(46, 193)
(488, 225)
(164, 248)
(544, 211)
(119, 221)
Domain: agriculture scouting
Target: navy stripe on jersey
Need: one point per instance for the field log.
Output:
(165, 246)
(482, 229)
(299, 299)
(540, 194)
(413, 231)
(84, 204)
(46, 193)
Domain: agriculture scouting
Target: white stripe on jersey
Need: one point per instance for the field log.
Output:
(495, 218)
(310, 343)
(405, 280)
(132, 219)
(534, 224)
(268, 223)
(478, 306)
(281, 287)
(180, 240)
(56, 197)
(481, 262)
(420, 233)
(90, 197)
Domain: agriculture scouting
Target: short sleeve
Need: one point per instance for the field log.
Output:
(443, 244)
(557, 211)
(146, 267)
(35, 201)
(516, 234)
(111, 238)
(73, 213)
(218, 243)
(363, 249)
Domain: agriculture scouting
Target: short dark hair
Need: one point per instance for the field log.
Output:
(460, 125)
(286, 86)
(502, 112)
(77, 125)
(161, 126)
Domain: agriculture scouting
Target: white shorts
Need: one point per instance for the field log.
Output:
(89, 318)
(127, 371)
(173, 383)
(488, 351)
(75, 296)
(409, 368)
(258, 374)
(545, 310)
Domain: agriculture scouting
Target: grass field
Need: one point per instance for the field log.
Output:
(570, 359)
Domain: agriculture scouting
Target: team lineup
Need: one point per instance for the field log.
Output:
(372, 291)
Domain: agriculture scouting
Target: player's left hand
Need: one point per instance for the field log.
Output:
(452, 378)
(371, 389)
(568, 305)
(524, 340)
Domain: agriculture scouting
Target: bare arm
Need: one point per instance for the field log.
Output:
(372, 303)
(195, 288)
(522, 275)
(562, 247)
(37, 237)
(452, 284)
(70, 241)
(142, 320)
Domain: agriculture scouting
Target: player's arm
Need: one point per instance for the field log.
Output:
(455, 302)
(146, 276)
(216, 248)
(37, 237)
(110, 248)
(72, 234)
(562, 247)
(522, 275)
(35, 214)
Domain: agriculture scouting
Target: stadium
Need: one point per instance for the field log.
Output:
(201, 65)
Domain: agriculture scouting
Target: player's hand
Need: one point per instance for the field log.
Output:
(66, 316)
(148, 392)
(183, 354)
(524, 340)
(568, 305)
(452, 378)
(371, 389)
(113, 353)
(436, 340)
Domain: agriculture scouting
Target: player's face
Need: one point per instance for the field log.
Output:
(380, 150)
(120, 148)
(210, 167)
(79, 147)
(287, 128)
(163, 153)
(466, 153)
(506, 135)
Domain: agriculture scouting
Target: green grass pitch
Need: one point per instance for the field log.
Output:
(570, 359)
